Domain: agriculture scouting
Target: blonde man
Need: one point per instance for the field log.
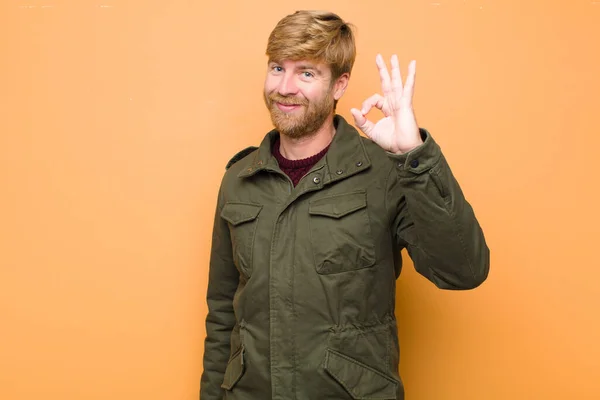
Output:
(310, 225)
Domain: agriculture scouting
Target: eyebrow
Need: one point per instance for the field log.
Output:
(310, 66)
(303, 66)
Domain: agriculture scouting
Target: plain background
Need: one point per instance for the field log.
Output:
(117, 119)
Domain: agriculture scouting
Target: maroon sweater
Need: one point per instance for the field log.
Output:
(296, 169)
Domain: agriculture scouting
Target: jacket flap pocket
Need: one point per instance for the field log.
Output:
(360, 380)
(237, 213)
(234, 370)
(338, 205)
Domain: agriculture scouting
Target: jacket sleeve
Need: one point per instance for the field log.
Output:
(222, 284)
(433, 220)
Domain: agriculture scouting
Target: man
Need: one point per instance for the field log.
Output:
(309, 228)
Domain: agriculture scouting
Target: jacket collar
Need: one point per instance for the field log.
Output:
(346, 155)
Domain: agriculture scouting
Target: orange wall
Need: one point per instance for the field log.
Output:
(117, 119)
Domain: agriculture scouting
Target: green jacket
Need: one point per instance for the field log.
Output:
(302, 281)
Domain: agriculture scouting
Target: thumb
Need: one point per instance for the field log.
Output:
(361, 121)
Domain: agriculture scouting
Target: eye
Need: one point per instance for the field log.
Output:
(307, 74)
(277, 68)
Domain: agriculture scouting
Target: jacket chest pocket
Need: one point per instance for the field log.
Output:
(340, 233)
(242, 219)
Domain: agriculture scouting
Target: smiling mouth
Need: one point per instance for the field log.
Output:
(287, 107)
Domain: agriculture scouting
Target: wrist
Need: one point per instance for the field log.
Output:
(407, 148)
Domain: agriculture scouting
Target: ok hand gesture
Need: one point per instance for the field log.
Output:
(397, 131)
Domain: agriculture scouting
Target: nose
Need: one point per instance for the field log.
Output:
(287, 85)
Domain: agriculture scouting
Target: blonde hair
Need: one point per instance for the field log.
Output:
(320, 36)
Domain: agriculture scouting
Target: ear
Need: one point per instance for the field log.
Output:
(340, 85)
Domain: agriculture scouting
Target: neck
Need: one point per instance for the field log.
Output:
(307, 146)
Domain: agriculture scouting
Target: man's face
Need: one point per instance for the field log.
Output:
(299, 96)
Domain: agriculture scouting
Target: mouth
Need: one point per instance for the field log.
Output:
(288, 107)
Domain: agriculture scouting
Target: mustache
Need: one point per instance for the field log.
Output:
(287, 100)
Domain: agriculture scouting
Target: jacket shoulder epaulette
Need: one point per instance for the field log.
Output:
(240, 155)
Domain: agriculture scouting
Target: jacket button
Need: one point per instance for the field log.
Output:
(414, 163)
(316, 179)
(358, 164)
(339, 172)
